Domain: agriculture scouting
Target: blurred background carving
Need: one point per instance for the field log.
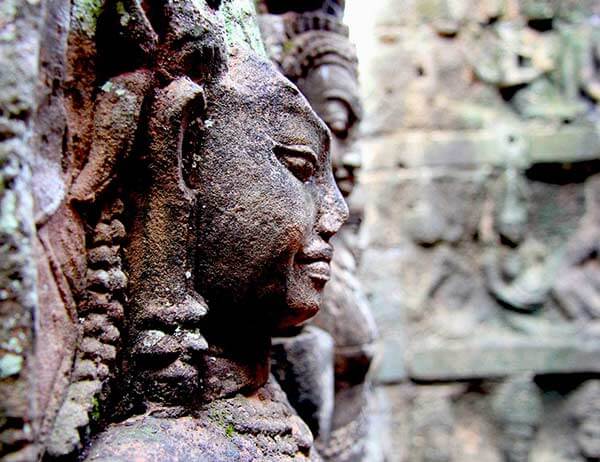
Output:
(480, 182)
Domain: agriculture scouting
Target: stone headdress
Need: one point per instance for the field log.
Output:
(302, 42)
(132, 119)
(314, 39)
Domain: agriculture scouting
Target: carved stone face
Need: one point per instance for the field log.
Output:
(333, 92)
(267, 199)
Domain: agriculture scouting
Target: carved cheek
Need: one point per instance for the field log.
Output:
(271, 218)
(293, 218)
(332, 208)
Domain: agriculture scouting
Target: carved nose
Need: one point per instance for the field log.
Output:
(334, 211)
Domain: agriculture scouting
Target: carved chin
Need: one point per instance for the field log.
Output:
(303, 295)
(298, 312)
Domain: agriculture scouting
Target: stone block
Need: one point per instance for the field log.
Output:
(498, 355)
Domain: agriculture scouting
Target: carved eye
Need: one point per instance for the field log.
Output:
(301, 160)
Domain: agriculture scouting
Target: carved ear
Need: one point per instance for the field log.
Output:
(175, 106)
(166, 292)
(116, 119)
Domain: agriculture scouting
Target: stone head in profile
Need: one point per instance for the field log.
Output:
(234, 205)
(267, 202)
(207, 203)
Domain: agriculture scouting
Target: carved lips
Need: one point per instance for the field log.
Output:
(315, 260)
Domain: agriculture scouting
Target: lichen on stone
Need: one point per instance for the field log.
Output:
(241, 27)
(123, 15)
(85, 15)
(10, 364)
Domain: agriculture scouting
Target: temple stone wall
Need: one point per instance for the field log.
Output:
(480, 185)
